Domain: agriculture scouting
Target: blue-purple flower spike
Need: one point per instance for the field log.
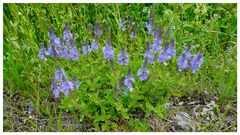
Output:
(171, 51)
(150, 24)
(157, 42)
(108, 52)
(87, 48)
(123, 57)
(73, 51)
(143, 72)
(148, 54)
(62, 84)
(122, 24)
(95, 44)
(98, 30)
(163, 56)
(133, 34)
(183, 60)
(42, 52)
(67, 35)
(197, 61)
(129, 80)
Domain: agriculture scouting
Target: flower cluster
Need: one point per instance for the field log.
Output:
(196, 61)
(183, 60)
(143, 72)
(86, 48)
(148, 54)
(129, 80)
(66, 47)
(167, 53)
(157, 42)
(123, 57)
(122, 24)
(57, 47)
(108, 52)
(61, 83)
(98, 30)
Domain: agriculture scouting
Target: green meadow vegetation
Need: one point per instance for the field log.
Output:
(204, 100)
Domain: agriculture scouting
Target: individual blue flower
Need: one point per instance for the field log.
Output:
(123, 57)
(98, 30)
(197, 61)
(67, 35)
(143, 72)
(183, 60)
(149, 55)
(108, 52)
(42, 52)
(122, 24)
(95, 44)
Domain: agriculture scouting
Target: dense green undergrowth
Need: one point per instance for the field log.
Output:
(208, 27)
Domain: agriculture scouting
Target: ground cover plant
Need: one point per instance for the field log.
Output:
(120, 67)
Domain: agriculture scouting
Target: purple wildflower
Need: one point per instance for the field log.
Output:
(133, 34)
(51, 33)
(129, 80)
(56, 93)
(95, 44)
(149, 27)
(108, 51)
(51, 51)
(67, 35)
(61, 49)
(98, 30)
(183, 60)
(166, 53)
(62, 84)
(42, 52)
(75, 83)
(143, 72)
(171, 51)
(122, 24)
(197, 61)
(123, 57)
(87, 48)
(157, 42)
(73, 51)
(148, 55)
(162, 56)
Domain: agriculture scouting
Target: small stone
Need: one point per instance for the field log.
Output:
(180, 103)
